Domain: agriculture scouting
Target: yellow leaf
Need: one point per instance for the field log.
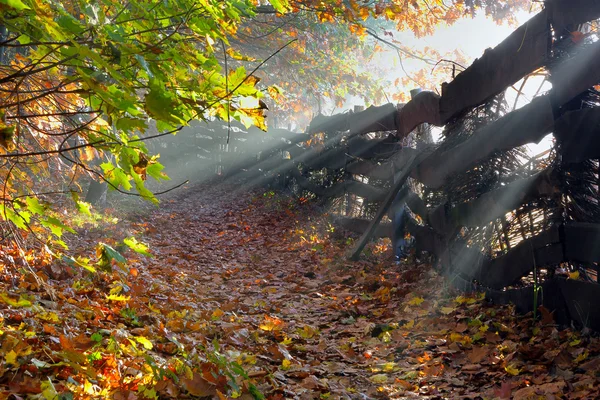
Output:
(447, 310)
(286, 364)
(511, 369)
(415, 301)
(409, 324)
(144, 342)
(48, 390)
(308, 332)
(581, 357)
(463, 339)
(574, 275)
(276, 93)
(238, 56)
(153, 308)
(48, 316)
(121, 298)
(15, 303)
(11, 357)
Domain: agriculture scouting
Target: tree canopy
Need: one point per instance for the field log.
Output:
(80, 80)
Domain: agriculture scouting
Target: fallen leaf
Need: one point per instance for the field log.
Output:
(512, 370)
(198, 386)
(478, 354)
(379, 378)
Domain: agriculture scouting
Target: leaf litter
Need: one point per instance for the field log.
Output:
(250, 296)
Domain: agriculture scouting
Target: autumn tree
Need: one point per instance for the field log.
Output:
(332, 42)
(80, 81)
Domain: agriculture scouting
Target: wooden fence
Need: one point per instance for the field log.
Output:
(491, 217)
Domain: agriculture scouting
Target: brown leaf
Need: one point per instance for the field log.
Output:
(471, 368)
(525, 393)
(313, 383)
(591, 365)
(547, 316)
(563, 359)
(198, 386)
(478, 354)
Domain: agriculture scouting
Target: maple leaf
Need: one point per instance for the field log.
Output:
(271, 324)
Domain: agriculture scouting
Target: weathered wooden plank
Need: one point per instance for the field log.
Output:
(524, 51)
(339, 156)
(424, 107)
(579, 135)
(581, 242)
(372, 148)
(363, 190)
(521, 53)
(539, 251)
(582, 301)
(522, 298)
(567, 14)
(425, 238)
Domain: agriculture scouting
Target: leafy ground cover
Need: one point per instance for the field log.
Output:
(249, 295)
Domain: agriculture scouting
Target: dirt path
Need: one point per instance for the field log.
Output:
(267, 279)
(250, 296)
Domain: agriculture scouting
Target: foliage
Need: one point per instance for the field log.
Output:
(80, 80)
(335, 55)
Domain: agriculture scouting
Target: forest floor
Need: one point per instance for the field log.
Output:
(250, 295)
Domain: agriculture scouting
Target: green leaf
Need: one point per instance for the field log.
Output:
(96, 337)
(112, 254)
(34, 206)
(20, 218)
(24, 39)
(136, 246)
(131, 124)
(56, 226)
(160, 104)
(82, 206)
(155, 171)
(115, 176)
(16, 4)
(280, 5)
(141, 188)
(70, 24)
